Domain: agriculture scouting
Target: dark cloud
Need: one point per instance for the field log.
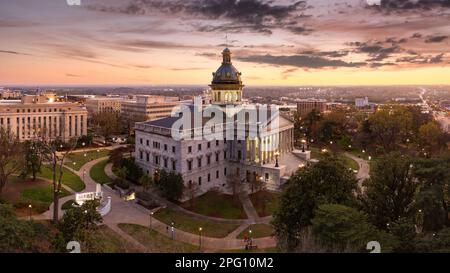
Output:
(376, 50)
(303, 61)
(250, 15)
(421, 59)
(9, 52)
(435, 38)
(331, 54)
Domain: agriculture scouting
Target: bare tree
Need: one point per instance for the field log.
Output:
(234, 183)
(11, 157)
(54, 154)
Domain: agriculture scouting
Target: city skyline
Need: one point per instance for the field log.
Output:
(344, 42)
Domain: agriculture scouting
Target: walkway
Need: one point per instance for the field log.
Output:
(364, 168)
(130, 212)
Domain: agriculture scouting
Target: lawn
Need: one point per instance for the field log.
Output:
(108, 241)
(316, 153)
(155, 242)
(216, 204)
(189, 224)
(68, 205)
(350, 163)
(84, 157)
(265, 202)
(42, 194)
(258, 231)
(69, 178)
(98, 173)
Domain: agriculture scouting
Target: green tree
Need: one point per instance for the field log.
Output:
(430, 135)
(404, 233)
(390, 126)
(389, 192)
(341, 228)
(33, 153)
(80, 224)
(11, 157)
(171, 185)
(328, 181)
(106, 124)
(146, 181)
(18, 236)
(433, 194)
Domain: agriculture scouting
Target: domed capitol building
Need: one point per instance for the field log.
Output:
(249, 142)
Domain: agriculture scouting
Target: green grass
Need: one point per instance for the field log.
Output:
(350, 163)
(41, 194)
(108, 241)
(68, 205)
(80, 159)
(189, 224)
(265, 203)
(317, 153)
(155, 242)
(98, 173)
(218, 205)
(69, 178)
(258, 231)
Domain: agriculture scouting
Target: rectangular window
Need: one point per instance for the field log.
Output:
(141, 155)
(190, 149)
(199, 181)
(209, 177)
(208, 159)
(173, 149)
(165, 147)
(199, 147)
(174, 165)
(217, 143)
(199, 162)
(225, 172)
(189, 165)
(209, 145)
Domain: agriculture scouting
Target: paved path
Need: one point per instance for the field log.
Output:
(248, 207)
(130, 212)
(364, 168)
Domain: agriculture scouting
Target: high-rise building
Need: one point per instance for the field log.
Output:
(40, 116)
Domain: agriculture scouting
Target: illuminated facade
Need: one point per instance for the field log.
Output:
(39, 116)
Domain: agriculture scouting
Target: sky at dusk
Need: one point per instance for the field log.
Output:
(280, 42)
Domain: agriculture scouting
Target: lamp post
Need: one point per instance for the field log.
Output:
(151, 216)
(29, 209)
(200, 237)
(84, 174)
(277, 165)
(173, 231)
(303, 145)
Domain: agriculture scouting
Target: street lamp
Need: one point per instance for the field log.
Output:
(200, 237)
(277, 165)
(29, 208)
(84, 173)
(303, 145)
(151, 216)
(173, 231)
